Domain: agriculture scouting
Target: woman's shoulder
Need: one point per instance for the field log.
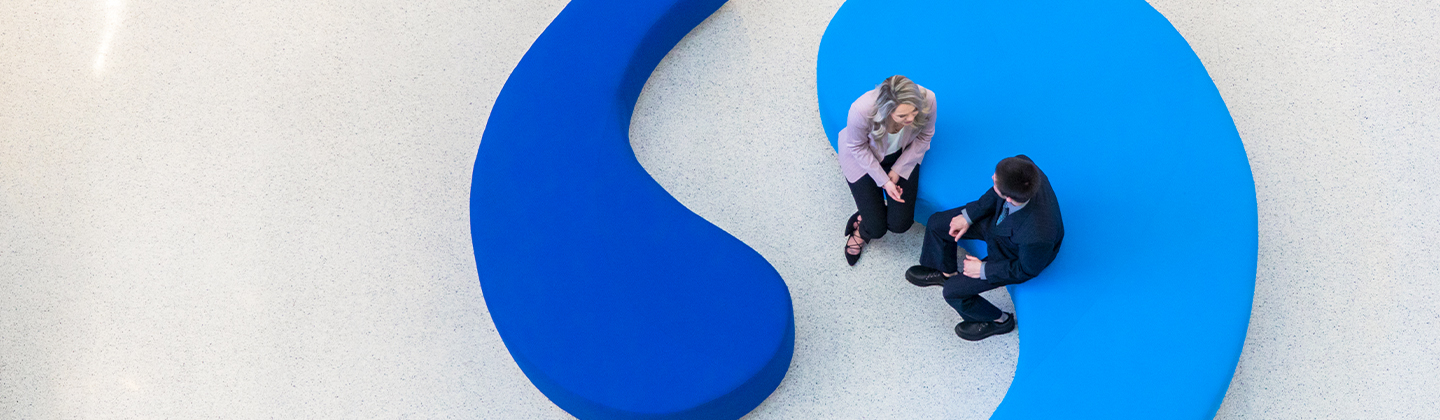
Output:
(929, 94)
(867, 98)
(865, 102)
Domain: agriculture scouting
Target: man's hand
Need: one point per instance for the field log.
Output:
(894, 177)
(894, 191)
(958, 226)
(972, 267)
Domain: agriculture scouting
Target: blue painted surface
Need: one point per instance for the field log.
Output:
(1144, 312)
(615, 300)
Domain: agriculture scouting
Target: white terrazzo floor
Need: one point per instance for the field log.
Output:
(251, 210)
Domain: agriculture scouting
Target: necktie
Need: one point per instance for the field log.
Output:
(1004, 210)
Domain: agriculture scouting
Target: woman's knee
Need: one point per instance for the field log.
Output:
(872, 234)
(872, 229)
(900, 226)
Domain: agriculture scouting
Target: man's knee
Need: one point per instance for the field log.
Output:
(938, 223)
(960, 296)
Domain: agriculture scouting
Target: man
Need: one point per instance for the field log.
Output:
(1019, 220)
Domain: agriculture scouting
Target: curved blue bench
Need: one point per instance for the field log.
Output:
(614, 299)
(1144, 312)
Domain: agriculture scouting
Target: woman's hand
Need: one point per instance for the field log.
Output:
(894, 191)
(894, 177)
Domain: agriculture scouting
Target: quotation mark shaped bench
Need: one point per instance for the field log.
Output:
(1144, 312)
(615, 300)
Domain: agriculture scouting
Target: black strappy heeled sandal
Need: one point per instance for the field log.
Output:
(850, 225)
(850, 229)
(852, 258)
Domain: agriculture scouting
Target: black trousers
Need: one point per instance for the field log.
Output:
(962, 293)
(878, 211)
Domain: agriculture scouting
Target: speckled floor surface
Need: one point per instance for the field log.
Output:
(258, 210)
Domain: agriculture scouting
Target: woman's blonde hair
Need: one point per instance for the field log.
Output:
(896, 90)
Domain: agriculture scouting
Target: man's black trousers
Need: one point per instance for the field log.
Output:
(962, 293)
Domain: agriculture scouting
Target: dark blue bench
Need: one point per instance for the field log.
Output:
(614, 299)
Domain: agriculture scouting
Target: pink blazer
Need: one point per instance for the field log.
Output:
(860, 154)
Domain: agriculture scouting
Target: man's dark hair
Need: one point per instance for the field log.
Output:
(1017, 178)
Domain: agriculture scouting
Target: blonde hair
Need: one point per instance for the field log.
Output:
(894, 91)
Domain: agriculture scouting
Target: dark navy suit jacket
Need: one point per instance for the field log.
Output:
(1026, 241)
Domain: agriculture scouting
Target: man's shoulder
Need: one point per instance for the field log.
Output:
(1043, 224)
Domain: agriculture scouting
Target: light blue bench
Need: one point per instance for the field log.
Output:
(1143, 314)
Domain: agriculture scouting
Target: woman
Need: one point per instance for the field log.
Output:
(887, 134)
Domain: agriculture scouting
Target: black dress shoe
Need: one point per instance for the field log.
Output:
(976, 331)
(924, 276)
